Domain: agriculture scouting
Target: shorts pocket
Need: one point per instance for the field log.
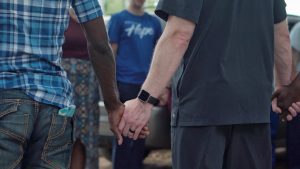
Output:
(13, 132)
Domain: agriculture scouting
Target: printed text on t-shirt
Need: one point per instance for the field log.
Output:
(137, 29)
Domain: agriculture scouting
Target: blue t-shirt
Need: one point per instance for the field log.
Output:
(136, 37)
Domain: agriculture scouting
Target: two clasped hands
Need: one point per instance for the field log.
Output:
(131, 118)
(286, 100)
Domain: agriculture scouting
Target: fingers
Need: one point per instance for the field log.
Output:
(131, 132)
(275, 107)
(296, 107)
(118, 135)
(119, 138)
(137, 133)
(275, 94)
(292, 111)
(125, 131)
(289, 117)
(122, 124)
(145, 132)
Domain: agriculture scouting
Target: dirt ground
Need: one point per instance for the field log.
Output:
(162, 160)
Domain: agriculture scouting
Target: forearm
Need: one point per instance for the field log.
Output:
(283, 54)
(103, 61)
(168, 54)
(104, 65)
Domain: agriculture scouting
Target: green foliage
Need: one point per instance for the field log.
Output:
(114, 6)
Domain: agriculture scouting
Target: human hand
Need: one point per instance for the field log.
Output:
(114, 118)
(294, 109)
(144, 132)
(282, 102)
(135, 118)
(284, 114)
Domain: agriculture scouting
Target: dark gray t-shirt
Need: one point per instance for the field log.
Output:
(226, 75)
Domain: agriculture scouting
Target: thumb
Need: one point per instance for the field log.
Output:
(276, 94)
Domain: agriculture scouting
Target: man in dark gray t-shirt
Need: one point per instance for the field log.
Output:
(221, 57)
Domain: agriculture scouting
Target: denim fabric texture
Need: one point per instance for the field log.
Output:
(32, 134)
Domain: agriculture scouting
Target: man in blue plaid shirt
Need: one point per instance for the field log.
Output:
(35, 95)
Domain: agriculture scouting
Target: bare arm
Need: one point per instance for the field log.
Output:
(103, 61)
(283, 54)
(283, 68)
(168, 54)
(104, 65)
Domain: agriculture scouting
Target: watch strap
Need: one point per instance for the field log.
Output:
(145, 97)
(152, 100)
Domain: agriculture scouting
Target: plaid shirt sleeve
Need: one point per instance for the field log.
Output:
(87, 10)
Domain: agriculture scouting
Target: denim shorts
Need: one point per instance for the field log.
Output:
(32, 134)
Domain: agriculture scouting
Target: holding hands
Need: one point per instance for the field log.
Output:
(116, 118)
(137, 113)
(286, 100)
(135, 119)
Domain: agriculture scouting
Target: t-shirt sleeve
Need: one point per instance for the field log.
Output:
(87, 10)
(279, 11)
(295, 37)
(114, 29)
(186, 9)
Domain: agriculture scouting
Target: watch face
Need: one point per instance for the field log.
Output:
(144, 95)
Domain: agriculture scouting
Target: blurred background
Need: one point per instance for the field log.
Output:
(114, 6)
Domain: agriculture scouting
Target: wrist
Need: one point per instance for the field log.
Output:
(111, 106)
(146, 97)
(145, 104)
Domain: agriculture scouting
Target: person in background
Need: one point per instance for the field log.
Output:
(221, 60)
(36, 102)
(133, 34)
(86, 96)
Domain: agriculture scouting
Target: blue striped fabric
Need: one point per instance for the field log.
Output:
(31, 36)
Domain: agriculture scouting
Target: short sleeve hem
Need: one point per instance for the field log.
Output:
(279, 11)
(87, 10)
(188, 12)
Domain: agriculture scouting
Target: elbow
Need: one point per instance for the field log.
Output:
(181, 38)
(98, 48)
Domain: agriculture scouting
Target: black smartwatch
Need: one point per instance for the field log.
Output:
(145, 97)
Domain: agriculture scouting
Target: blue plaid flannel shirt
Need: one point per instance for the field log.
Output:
(31, 37)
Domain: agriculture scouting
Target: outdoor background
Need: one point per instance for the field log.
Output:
(161, 159)
(113, 6)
